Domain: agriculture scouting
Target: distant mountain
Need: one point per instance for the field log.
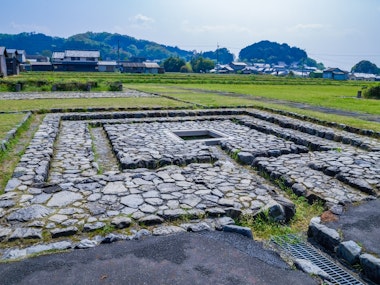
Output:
(106, 43)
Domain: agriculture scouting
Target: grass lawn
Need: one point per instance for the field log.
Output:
(47, 104)
(8, 122)
(325, 96)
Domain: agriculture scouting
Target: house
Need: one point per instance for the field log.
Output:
(250, 70)
(3, 63)
(40, 66)
(37, 58)
(141, 67)
(13, 64)
(335, 74)
(362, 76)
(107, 66)
(237, 66)
(153, 68)
(76, 60)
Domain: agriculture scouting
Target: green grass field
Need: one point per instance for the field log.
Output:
(202, 91)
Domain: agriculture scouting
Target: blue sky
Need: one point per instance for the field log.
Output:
(336, 32)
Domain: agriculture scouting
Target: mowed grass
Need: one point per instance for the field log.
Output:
(84, 103)
(341, 97)
(8, 122)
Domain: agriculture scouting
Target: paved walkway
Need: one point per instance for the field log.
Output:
(207, 258)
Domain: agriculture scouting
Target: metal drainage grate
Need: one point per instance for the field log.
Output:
(300, 249)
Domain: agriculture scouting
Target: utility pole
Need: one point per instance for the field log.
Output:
(217, 57)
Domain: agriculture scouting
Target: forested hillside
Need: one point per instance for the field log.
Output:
(106, 43)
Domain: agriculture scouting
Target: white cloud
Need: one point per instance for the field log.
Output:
(232, 28)
(304, 27)
(141, 21)
(19, 28)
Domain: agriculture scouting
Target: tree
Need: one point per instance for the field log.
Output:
(272, 52)
(221, 55)
(173, 64)
(201, 64)
(365, 66)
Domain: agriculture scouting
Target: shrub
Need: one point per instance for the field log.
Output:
(372, 92)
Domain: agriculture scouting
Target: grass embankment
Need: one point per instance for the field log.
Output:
(8, 122)
(16, 148)
(42, 105)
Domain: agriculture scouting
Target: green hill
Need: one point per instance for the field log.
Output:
(106, 43)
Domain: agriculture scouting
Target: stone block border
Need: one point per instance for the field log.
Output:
(12, 133)
(349, 251)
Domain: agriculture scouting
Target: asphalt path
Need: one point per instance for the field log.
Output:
(361, 223)
(186, 258)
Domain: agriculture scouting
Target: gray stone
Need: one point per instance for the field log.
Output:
(245, 157)
(86, 243)
(288, 206)
(63, 232)
(223, 221)
(233, 213)
(191, 200)
(151, 220)
(12, 184)
(89, 227)
(215, 212)
(110, 238)
(326, 237)
(29, 213)
(147, 209)
(14, 254)
(275, 211)
(4, 233)
(197, 227)
(167, 230)
(40, 199)
(173, 214)
(58, 218)
(142, 233)
(115, 188)
(96, 209)
(310, 268)
(245, 231)
(62, 245)
(94, 197)
(121, 222)
(64, 198)
(154, 201)
(349, 251)
(371, 267)
(49, 189)
(132, 201)
(7, 203)
(226, 202)
(26, 233)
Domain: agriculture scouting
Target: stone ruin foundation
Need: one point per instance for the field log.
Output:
(84, 171)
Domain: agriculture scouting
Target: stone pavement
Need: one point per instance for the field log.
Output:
(58, 190)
